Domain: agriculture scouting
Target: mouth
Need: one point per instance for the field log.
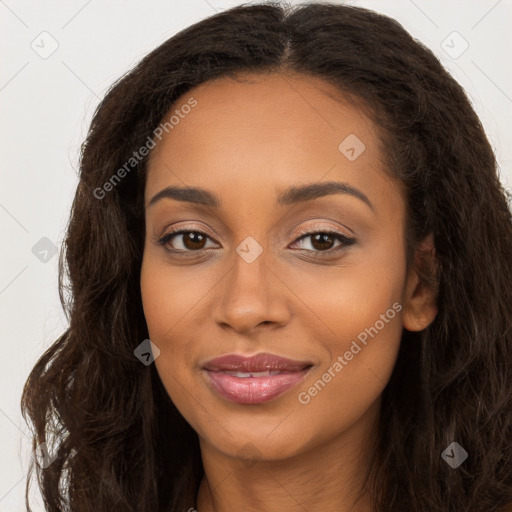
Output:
(256, 379)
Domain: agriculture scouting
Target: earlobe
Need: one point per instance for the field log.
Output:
(420, 295)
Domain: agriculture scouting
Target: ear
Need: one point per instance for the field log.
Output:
(420, 294)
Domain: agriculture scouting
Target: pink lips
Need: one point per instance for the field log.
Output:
(256, 379)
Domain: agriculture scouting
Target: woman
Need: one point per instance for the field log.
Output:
(289, 279)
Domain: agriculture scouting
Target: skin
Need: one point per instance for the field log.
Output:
(247, 141)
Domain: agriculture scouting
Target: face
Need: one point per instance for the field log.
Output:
(312, 282)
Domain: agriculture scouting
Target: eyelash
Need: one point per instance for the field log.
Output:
(345, 241)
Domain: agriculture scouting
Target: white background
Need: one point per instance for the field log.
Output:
(46, 106)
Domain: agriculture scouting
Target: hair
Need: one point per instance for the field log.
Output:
(119, 442)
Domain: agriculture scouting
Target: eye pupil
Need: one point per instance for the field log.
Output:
(196, 240)
(325, 239)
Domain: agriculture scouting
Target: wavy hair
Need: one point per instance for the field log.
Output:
(119, 442)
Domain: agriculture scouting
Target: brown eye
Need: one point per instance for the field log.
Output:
(194, 240)
(184, 241)
(322, 241)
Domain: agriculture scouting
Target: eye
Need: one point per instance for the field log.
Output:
(323, 241)
(192, 241)
(187, 241)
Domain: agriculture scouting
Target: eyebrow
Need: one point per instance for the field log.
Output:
(292, 195)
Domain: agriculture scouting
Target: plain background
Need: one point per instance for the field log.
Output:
(46, 104)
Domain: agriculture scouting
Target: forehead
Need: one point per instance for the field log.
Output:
(268, 130)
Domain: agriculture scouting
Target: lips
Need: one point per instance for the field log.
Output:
(256, 379)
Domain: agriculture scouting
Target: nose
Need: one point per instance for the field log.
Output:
(251, 294)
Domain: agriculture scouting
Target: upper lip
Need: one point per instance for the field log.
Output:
(257, 363)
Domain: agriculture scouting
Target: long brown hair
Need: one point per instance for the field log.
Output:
(118, 441)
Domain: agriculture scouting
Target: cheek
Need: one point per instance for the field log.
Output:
(344, 301)
(171, 304)
(171, 297)
(163, 309)
(361, 360)
(362, 310)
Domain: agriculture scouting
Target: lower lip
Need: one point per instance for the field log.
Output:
(254, 390)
